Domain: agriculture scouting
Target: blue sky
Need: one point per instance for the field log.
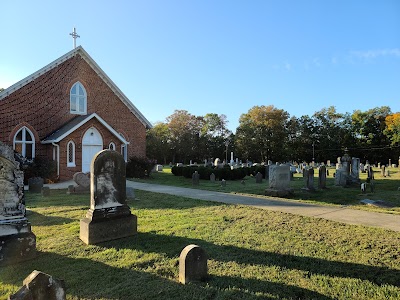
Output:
(218, 56)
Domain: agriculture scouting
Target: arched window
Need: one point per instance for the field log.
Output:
(111, 146)
(78, 99)
(124, 149)
(71, 154)
(24, 143)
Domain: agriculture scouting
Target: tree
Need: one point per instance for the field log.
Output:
(392, 130)
(158, 142)
(262, 133)
(214, 134)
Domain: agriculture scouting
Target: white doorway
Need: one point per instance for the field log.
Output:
(92, 143)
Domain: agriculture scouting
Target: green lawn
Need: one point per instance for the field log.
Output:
(385, 189)
(253, 253)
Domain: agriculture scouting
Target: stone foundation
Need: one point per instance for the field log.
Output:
(279, 193)
(97, 231)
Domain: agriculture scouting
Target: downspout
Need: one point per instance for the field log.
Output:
(58, 158)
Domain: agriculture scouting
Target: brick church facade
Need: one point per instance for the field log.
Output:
(68, 111)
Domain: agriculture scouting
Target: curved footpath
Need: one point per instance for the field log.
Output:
(335, 213)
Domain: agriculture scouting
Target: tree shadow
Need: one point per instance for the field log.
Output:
(45, 220)
(90, 279)
(172, 245)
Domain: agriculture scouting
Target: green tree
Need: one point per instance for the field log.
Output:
(158, 142)
(214, 135)
(262, 133)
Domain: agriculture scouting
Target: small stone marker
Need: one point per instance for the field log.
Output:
(259, 177)
(17, 242)
(195, 178)
(212, 177)
(109, 217)
(192, 264)
(35, 184)
(40, 286)
(159, 168)
(130, 193)
(223, 182)
(363, 188)
(70, 189)
(83, 182)
(45, 191)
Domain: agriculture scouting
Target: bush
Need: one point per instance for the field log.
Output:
(205, 172)
(138, 167)
(177, 171)
(37, 167)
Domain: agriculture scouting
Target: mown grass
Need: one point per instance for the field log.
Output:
(253, 253)
(386, 188)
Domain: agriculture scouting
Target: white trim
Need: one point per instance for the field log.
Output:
(79, 50)
(23, 142)
(71, 164)
(94, 115)
(77, 111)
(113, 145)
(124, 149)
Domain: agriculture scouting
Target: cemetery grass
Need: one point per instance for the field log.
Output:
(253, 253)
(385, 189)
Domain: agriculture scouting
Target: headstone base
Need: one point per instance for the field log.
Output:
(279, 193)
(16, 248)
(107, 229)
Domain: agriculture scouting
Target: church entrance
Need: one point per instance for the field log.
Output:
(92, 143)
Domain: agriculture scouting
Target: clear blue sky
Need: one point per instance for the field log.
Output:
(218, 56)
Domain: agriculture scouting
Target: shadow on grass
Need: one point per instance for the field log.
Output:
(46, 220)
(173, 245)
(89, 279)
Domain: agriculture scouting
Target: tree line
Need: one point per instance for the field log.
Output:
(268, 133)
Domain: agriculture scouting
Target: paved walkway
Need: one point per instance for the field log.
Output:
(335, 213)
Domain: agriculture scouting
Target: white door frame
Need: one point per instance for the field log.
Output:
(92, 143)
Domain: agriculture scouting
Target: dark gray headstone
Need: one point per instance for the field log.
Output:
(212, 177)
(195, 178)
(40, 286)
(17, 242)
(109, 216)
(308, 175)
(322, 177)
(35, 184)
(223, 182)
(259, 177)
(192, 264)
(45, 191)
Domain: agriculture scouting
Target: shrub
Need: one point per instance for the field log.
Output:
(37, 167)
(177, 171)
(138, 167)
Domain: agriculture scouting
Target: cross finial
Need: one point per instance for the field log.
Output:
(74, 36)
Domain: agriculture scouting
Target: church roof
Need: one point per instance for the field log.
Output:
(74, 124)
(80, 51)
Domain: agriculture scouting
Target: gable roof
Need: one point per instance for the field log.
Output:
(80, 51)
(74, 124)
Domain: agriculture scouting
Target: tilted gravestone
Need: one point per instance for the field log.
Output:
(17, 242)
(259, 177)
(279, 181)
(40, 286)
(192, 264)
(109, 217)
(308, 176)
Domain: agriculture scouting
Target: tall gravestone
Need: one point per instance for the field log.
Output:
(308, 176)
(279, 181)
(355, 170)
(109, 217)
(17, 242)
(322, 173)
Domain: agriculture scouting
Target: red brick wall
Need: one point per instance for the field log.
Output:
(43, 105)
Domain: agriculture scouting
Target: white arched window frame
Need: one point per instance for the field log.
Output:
(71, 154)
(24, 142)
(112, 146)
(78, 99)
(124, 149)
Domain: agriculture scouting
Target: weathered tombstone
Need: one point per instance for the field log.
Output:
(212, 177)
(390, 162)
(195, 178)
(379, 165)
(109, 217)
(322, 172)
(279, 181)
(259, 177)
(355, 170)
(363, 188)
(383, 169)
(17, 242)
(370, 173)
(192, 264)
(387, 173)
(340, 177)
(130, 193)
(70, 189)
(35, 184)
(308, 175)
(328, 162)
(223, 182)
(45, 191)
(159, 168)
(40, 286)
(83, 182)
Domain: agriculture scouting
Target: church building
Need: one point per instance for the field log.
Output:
(68, 111)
